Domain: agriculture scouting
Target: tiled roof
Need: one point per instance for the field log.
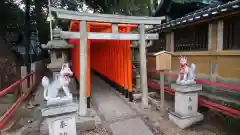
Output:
(201, 14)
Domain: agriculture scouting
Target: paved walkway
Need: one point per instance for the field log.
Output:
(115, 112)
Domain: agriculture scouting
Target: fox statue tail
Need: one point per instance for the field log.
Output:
(193, 67)
(45, 83)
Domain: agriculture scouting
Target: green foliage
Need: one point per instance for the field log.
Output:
(125, 7)
(200, 1)
(40, 17)
(10, 14)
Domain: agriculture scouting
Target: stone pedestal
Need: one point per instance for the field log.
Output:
(186, 105)
(61, 119)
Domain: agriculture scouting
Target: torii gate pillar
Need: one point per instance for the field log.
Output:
(83, 69)
(143, 67)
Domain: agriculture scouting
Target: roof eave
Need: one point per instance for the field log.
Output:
(197, 16)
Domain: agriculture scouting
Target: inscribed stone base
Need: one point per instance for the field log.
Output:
(186, 104)
(62, 125)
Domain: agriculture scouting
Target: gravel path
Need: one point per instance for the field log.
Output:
(97, 131)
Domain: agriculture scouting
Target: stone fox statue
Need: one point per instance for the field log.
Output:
(51, 89)
(186, 75)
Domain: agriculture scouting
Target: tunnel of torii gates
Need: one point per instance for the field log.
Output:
(102, 43)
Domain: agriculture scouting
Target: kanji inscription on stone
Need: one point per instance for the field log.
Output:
(64, 133)
(190, 99)
(65, 126)
(190, 108)
(62, 124)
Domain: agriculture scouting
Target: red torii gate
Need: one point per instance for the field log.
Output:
(121, 37)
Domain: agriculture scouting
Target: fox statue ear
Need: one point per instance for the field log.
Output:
(183, 57)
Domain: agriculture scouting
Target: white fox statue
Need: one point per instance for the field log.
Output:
(51, 89)
(186, 75)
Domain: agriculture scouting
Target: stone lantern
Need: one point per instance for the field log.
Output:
(58, 49)
(136, 60)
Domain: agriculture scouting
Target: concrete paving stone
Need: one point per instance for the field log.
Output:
(130, 127)
(122, 119)
(109, 103)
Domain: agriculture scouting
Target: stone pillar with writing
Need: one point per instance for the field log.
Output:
(61, 119)
(186, 105)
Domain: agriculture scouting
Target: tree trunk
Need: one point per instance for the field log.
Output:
(40, 20)
(27, 33)
(106, 9)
